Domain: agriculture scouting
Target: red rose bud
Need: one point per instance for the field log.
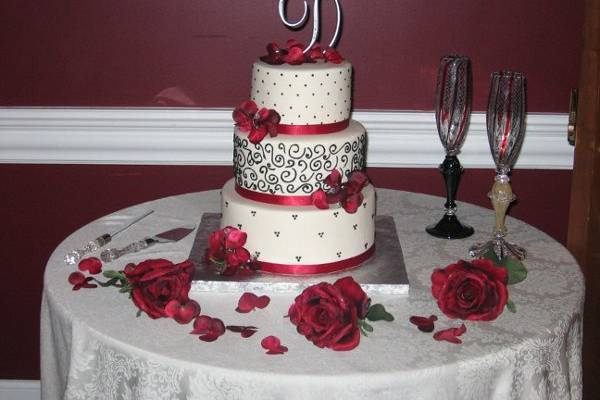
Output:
(473, 290)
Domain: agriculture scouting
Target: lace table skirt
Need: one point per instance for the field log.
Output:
(93, 346)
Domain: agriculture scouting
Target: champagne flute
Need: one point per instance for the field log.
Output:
(452, 111)
(505, 120)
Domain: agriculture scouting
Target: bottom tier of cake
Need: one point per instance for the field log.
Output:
(302, 239)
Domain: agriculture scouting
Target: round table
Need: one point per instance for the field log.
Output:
(94, 347)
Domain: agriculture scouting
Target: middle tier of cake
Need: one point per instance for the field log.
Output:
(302, 239)
(296, 165)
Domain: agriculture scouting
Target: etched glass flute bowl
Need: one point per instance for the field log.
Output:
(452, 111)
(505, 120)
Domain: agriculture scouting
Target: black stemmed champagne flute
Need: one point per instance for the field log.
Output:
(452, 111)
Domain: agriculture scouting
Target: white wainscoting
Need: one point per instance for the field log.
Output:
(13, 389)
(195, 136)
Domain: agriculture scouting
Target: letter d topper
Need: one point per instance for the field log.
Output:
(316, 22)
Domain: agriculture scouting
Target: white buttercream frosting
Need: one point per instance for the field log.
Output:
(312, 94)
(300, 235)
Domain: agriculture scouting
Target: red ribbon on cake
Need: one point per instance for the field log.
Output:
(318, 129)
(314, 269)
(274, 198)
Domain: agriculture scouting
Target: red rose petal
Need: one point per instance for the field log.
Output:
(201, 324)
(425, 324)
(209, 337)
(76, 278)
(278, 350)
(319, 199)
(208, 328)
(270, 342)
(235, 238)
(450, 334)
(256, 135)
(182, 313)
(262, 301)
(246, 303)
(352, 202)
(273, 345)
(247, 332)
(334, 179)
(91, 264)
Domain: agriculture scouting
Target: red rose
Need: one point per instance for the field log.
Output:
(327, 314)
(226, 250)
(473, 290)
(154, 283)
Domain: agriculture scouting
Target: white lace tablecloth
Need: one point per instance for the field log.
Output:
(94, 347)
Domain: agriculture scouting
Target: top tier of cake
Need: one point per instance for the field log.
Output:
(307, 94)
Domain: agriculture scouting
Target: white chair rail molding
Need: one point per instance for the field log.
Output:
(203, 136)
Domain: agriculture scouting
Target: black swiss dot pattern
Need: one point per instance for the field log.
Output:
(299, 90)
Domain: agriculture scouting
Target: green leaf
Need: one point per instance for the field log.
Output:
(490, 254)
(362, 331)
(366, 326)
(516, 270)
(139, 313)
(511, 306)
(114, 274)
(377, 312)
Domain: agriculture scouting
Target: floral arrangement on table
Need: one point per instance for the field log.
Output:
(329, 315)
(473, 290)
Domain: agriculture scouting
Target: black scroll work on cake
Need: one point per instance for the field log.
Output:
(277, 168)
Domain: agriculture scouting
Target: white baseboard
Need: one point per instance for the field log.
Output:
(193, 136)
(13, 389)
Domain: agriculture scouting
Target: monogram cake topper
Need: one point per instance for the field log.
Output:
(316, 21)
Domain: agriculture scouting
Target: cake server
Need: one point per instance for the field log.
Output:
(172, 235)
(74, 256)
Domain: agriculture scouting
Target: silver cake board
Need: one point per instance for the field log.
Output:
(383, 273)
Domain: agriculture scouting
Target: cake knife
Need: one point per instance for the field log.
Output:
(172, 235)
(74, 256)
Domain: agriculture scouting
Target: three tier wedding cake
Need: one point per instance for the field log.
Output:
(299, 191)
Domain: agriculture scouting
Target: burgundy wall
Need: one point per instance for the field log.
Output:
(126, 52)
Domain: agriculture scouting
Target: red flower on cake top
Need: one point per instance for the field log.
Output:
(249, 118)
(347, 194)
(294, 54)
(226, 250)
